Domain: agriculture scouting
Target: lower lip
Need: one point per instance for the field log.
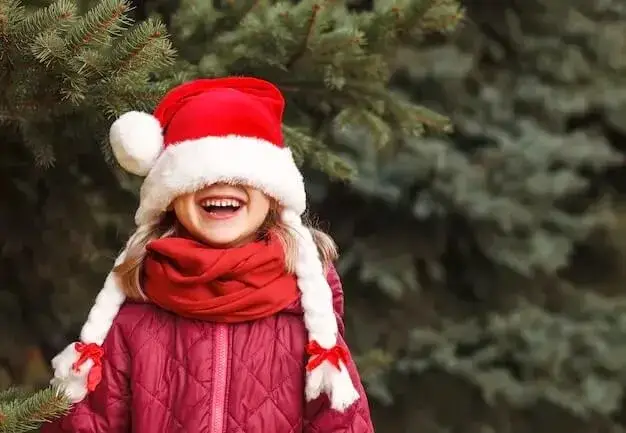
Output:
(222, 215)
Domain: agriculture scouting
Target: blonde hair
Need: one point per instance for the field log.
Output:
(128, 272)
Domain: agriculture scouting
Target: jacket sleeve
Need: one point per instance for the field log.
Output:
(107, 408)
(319, 417)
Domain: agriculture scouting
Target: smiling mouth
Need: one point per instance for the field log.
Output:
(222, 207)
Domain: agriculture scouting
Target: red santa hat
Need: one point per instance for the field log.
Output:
(204, 132)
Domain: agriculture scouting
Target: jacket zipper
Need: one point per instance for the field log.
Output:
(220, 370)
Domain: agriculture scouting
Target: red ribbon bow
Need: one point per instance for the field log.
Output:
(94, 352)
(333, 355)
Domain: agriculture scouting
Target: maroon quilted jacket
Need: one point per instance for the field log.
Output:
(164, 373)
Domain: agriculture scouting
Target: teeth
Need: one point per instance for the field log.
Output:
(221, 203)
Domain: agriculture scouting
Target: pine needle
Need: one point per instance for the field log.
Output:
(26, 414)
(12, 394)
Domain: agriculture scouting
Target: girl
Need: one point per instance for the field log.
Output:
(223, 314)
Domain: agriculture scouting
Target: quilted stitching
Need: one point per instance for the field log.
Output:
(158, 374)
(269, 357)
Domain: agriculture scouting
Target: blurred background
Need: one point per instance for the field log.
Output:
(468, 158)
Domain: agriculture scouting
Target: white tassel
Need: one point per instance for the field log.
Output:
(341, 390)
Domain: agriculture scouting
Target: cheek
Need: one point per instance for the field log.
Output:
(185, 212)
(258, 210)
(179, 209)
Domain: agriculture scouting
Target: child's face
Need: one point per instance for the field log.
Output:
(223, 215)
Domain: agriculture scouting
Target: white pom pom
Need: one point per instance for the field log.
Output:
(337, 384)
(341, 390)
(69, 381)
(136, 140)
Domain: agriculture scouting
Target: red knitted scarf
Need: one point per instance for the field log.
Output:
(222, 285)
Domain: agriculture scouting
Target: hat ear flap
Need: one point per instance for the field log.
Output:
(136, 141)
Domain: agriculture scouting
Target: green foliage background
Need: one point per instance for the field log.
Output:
(483, 266)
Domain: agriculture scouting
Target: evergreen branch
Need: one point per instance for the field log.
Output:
(141, 47)
(341, 41)
(185, 22)
(408, 114)
(7, 9)
(378, 106)
(305, 41)
(424, 14)
(106, 19)
(442, 16)
(13, 393)
(75, 88)
(251, 5)
(27, 414)
(56, 17)
(48, 47)
(119, 95)
(380, 130)
(306, 148)
(387, 27)
(36, 137)
(298, 141)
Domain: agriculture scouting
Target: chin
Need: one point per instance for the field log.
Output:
(222, 241)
